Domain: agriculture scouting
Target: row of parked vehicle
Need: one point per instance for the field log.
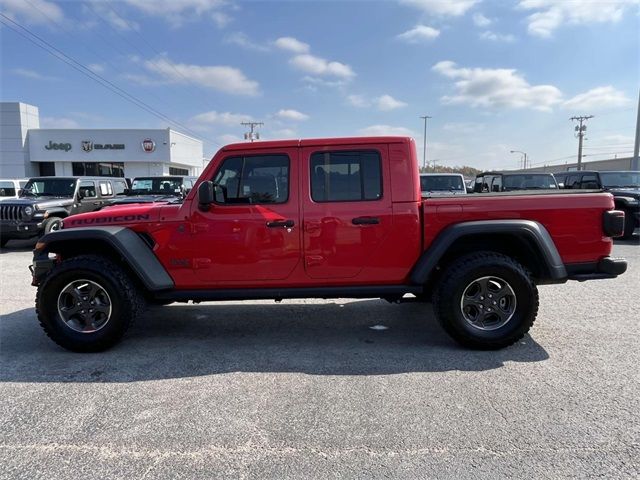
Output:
(32, 207)
(623, 185)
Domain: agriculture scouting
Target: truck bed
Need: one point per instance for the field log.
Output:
(572, 217)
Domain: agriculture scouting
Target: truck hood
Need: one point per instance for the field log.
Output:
(626, 192)
(40, 203)
(116, 215)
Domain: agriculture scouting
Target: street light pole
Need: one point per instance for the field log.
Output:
(524, 158)
(424, 142)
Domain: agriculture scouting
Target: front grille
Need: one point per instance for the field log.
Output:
(11, 212)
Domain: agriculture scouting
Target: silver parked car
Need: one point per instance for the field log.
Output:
(439, 184)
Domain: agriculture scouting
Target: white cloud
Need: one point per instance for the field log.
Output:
(222, 78)
(550, 14)
(179, 12)
(242, 40)
(319, 66)
(387, 103)
(292, 45)
(382, 130)
(480, 20)
(418, 34)
(598, 98)
(285, 133)
(96, 67)
(496, 88)
(314, 82)
(441, 7)
(497, 37)
(292, 115)
(36, 12)
(32, 74)
(207, 119)
(384, 103)
(58, 122)
(358, 101)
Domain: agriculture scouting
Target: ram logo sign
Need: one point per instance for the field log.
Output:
(87, 145)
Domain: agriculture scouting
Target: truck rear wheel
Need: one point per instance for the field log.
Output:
(87, 303)
(486, 300)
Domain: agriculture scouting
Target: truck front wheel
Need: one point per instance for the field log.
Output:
(486, 300)
(87, 303)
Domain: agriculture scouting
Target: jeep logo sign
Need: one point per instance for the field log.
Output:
(58, 146)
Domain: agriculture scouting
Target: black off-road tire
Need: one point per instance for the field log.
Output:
(629, 226)
(449, 292)
(126, 302)
(51, 224)
(4, 241)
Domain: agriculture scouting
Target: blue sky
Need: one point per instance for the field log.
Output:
(494, 75)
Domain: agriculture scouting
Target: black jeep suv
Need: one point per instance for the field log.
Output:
(45, 201)
(623, 185)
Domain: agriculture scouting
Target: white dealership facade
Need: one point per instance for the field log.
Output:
(27, 150)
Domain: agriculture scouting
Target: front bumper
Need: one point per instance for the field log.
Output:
(12, 229)
(607, 267)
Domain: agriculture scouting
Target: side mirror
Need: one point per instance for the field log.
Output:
(186, 191)
(20, 190)
(205, 196)
(560, 185)
(80, 195)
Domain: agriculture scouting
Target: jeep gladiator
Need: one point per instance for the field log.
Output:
(325, 218)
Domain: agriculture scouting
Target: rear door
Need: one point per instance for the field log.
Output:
(347, 208)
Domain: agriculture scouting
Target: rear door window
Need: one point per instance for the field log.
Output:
(106, 190)
(348, 176)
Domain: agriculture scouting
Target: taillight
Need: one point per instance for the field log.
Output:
(613, 223)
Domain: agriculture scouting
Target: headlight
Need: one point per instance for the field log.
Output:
(630, 200)
(28, 211)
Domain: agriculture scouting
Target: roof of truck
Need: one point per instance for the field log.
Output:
(316, 142)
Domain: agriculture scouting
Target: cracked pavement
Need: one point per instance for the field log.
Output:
(305, 389)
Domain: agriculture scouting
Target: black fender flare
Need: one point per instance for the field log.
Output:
(124, 241)
(57, 212)
(530, 230)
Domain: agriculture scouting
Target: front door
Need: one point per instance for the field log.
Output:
(347, 209)
(251, 234)
(88, 199)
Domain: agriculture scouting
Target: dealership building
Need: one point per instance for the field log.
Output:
(26, 150)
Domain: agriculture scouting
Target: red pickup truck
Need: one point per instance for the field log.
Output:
(327, 218)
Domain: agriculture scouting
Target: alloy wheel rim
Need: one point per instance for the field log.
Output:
(488, 303)
(84, 306)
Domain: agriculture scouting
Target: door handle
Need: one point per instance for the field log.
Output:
(281, 224)
(365, 221)
(97, 203)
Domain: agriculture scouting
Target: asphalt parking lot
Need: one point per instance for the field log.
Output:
(306, 389)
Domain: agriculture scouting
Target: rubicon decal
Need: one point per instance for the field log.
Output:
(114, 219)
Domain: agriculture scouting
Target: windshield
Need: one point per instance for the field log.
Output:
(441, 183)
(620, 179)
(49, 187)
(156, 186)
(528, 182)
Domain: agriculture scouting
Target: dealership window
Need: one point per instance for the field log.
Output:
(47, 169)
(256, 179)
(178, 171)
(98, 169)
(346, 176)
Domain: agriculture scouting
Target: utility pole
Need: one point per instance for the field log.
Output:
(635, 163)
(580, 128)
(252, 135)
(424, 142)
